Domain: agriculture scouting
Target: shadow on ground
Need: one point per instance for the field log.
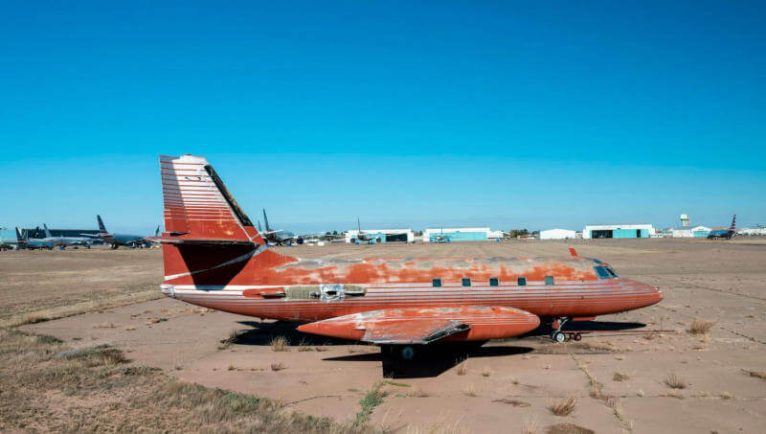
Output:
(432, 360)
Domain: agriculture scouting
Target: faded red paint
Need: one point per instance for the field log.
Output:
(213, 257)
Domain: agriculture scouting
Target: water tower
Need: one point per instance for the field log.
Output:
(684, 220)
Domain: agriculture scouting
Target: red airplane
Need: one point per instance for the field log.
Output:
(214, 257)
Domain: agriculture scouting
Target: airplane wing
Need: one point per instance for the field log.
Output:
(426, 325)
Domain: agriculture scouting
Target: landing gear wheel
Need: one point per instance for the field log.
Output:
(559, 337)
(577, 337)
(407, 352)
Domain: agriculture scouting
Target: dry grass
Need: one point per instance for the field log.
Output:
(563, 407)
(619, 376)
(486, 372)
(279, 344)
(103, 302)
(726, 395)
(368, 403)
(700, 327)
(278, 366)
(470, 391)
(673, 381)
(757, 374)
(48, 387)
(462, 369)
(232, 338)
(530, 426)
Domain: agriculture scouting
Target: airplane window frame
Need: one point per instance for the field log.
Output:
(549, 280)
(436, 283)
(521, 281)
(494, 281)
(466, 282)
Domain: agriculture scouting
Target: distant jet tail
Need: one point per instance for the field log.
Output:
(102, 232)
(47, 232)
(733, 227)
(208, 238)
(101, 226)
(157, 231)
(21, 236)
(266, 221)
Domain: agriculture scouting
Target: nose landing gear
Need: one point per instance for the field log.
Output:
(559, 336)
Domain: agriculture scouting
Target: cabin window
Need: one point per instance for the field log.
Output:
(521, 281)
(609, 269)
(549, 280)
(494, 281)
(466, 281)
(437, 283)
(602, 272)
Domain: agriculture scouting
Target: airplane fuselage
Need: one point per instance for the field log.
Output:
(312, 290)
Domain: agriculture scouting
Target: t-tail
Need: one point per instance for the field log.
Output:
(208, 241)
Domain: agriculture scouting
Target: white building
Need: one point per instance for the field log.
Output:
(447, 235)
(752, 231)
(618, 231)
(557, 234)
(384, 235)
(690, 232)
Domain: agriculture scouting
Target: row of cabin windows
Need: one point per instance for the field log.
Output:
(494, 281)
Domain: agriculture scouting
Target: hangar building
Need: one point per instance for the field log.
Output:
(384, 235)
(432, 235)
(557, 234)
(690, 232)
(618, 231)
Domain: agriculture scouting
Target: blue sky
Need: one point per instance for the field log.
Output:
(402, 113)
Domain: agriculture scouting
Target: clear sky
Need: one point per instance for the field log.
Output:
(534, 114)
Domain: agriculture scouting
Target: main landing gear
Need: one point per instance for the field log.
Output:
(560, 337)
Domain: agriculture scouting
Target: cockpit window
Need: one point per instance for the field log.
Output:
(604, 272)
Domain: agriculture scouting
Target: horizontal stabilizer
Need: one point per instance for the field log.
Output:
(188, 241)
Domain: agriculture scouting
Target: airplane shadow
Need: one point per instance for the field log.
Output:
(431, 361)
(262, 334)
(586, 327)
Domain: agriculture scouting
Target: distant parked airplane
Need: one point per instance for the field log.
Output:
(362, 237)
(117, 240)
(724, 234)
(24, 242)
(277, 237)
(64, 242)
(214, 257)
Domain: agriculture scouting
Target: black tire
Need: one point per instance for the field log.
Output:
(407, 353)
(559, 337)
(115, 246)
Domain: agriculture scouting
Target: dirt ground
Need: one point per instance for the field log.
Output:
(620, 380)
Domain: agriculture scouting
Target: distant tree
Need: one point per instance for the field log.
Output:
(515, 233)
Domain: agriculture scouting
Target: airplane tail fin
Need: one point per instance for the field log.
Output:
(101, 226)
(733, 227)
(157, 231)
(208, 238)
(266, 221)
(47, 232)
(21, 236)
